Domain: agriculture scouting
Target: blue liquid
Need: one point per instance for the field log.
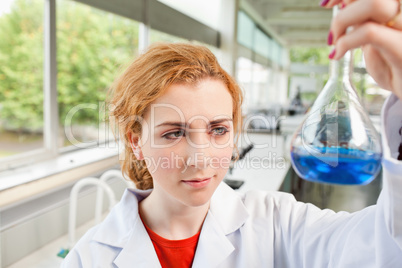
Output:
(336, 165)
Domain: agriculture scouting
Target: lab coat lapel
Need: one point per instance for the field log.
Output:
(139, 250)
(213, 246)
(123, 229)
(226, 215)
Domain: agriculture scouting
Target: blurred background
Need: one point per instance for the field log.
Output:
(58, 58)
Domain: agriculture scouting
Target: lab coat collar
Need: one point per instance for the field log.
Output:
(227, 214)
(116, 229)
(139, 250)
(213, 246)
(228, 209)
(123, 229)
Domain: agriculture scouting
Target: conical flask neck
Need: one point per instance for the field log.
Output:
(343, 67)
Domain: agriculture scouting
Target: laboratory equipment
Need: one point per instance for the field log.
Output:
(337, 143)
(73, 208)
(236, 183)
(108, 175)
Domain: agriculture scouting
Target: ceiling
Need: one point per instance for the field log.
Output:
(295, 22)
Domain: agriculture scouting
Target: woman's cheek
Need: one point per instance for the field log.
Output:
(170, 160)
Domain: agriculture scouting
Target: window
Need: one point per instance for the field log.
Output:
(245, 30)
(262, 43)
(276, 51)
(244, 76)
(261, 76)
(21, 76)
(252, 37)
(91, 46)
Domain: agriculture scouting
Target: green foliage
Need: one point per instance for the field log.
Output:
(309, 55)
(91, 45)
(21, 66)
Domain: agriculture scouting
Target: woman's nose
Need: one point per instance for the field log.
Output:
(198, 151)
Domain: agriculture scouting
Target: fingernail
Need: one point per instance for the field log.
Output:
(330, 37)
(332, 54)
(324, 3)
(343, 5)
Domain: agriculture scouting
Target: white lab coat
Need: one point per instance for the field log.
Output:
(265, 229)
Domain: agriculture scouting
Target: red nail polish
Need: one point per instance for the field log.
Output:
(324, 3)
(343, 5)
(332, 54)
(330, 38)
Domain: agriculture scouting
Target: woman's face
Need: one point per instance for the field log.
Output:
(187, 141)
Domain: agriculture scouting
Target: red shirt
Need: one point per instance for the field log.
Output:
(174, 253)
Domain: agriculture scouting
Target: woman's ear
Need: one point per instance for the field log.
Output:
(134, 140)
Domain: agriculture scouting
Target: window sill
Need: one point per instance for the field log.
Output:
(20, 185)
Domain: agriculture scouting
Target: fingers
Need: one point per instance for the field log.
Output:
(377, 67)
(381, 46)
(356, 38)
(362, 24)
(330, 3)
(384, 39)
(362, 11)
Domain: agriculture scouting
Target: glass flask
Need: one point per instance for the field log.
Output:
(337, 143)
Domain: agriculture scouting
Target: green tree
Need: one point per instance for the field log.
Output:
(91, 45)
(310, 55)
(21, 66)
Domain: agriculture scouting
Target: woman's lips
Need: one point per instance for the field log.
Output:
(198, 183)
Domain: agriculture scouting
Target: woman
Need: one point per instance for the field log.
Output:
(179, 113)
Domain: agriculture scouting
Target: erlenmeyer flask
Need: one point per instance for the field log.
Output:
(337, 143)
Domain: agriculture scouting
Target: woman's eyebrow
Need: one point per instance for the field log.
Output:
(180, 124)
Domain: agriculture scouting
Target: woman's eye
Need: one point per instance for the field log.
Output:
(173, 135)
(220, 131)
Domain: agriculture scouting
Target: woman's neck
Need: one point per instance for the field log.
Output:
(170, 218)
